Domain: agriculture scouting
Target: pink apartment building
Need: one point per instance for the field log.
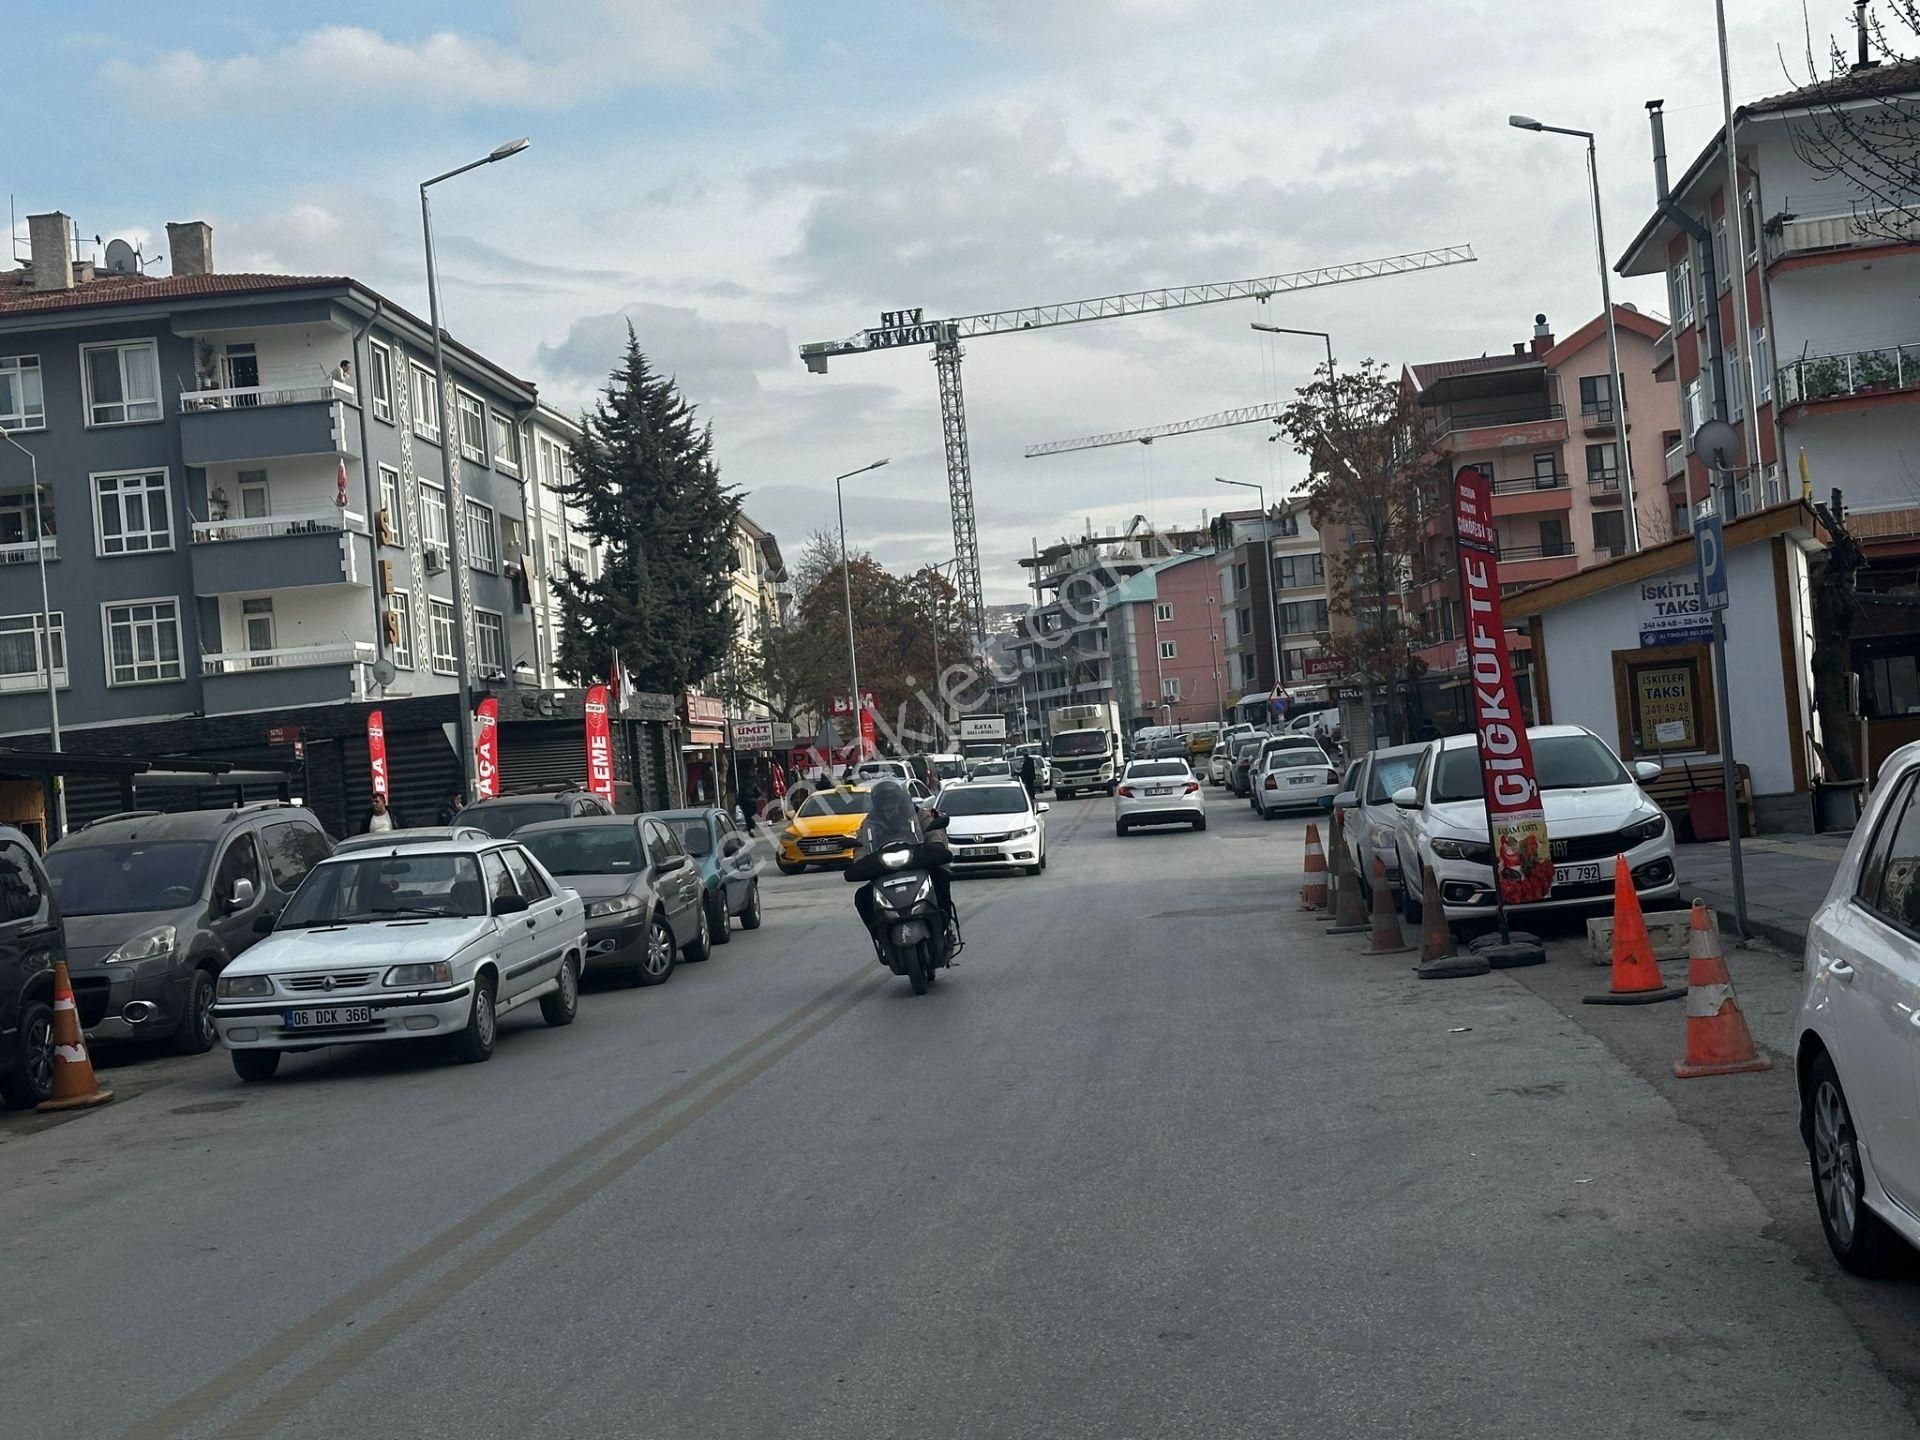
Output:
(1165, 631)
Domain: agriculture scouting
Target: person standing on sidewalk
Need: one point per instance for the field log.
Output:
(380, 820)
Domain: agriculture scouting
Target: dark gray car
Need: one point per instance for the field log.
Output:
(156, 905)
(642, 890)
(30, 942)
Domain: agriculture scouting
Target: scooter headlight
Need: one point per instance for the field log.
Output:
(893, 859)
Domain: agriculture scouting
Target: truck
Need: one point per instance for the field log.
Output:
(983, 737)
(1087, 747)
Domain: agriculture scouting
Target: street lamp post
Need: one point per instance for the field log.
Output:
(846, 586)
(1632, 527)
(1266, 546)
(456, 497)
(46, 638)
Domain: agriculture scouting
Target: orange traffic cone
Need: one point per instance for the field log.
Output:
(73, 1082)
(1436, 937)
(1718, 1042)
(1313, 894)
(1386, 938)
(1349, 907)
(1636, 975)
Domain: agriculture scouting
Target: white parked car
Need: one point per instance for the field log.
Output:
(994, 824)
(868, 771)
(1595, 810)
(1158, 792)
(1860, 1029)
(1293, 774)
(1371, 823)
(412, 943)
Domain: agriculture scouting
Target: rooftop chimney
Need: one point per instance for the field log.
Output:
(1542, 336)
(1865, 62)
(1657, 117)
(1520, 348)
(190, 242)
(52, 251)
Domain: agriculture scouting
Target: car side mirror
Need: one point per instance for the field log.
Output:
(509, 904)
(1407, 798)
(670, 864)
(1645, 770)
(265, 923)
(1042, 808)
(242, 897)
(1346, 800)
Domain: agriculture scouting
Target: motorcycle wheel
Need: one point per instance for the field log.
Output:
(917, 972)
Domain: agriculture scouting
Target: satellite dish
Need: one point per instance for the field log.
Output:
(1717, 444)
(121, 258)
(383, 672)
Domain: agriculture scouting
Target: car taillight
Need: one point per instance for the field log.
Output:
(1273, 782)
(1123, 790)
(1333, 777)
(1192, 785)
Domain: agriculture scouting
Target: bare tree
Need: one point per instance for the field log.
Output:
(1862, 122)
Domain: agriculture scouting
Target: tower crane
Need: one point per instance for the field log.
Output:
(1219, 420)
(900, 328)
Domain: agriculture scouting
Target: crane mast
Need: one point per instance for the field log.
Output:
(900, 328)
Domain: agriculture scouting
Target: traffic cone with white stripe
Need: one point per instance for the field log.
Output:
(1718, 1042)
(73, 1084)
(1313, 894)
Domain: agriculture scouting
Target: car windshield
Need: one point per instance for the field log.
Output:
(405, 886)
(693, 834)
(836, 802)
(1389, 776)
(589, 849)
(1155, 770)
(1560, 762)
(501, 821)
(1080, 742)
(1246, 744)
(949, 769)
(984, 800)
(122, 879)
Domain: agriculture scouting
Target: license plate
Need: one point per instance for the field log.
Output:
(976, 852)
(336, 1015)
(1158, 790)
(1579, 874)
(1300, 780)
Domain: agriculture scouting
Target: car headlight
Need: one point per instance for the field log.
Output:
(242, 987)
(1380, 836)
(618, 905)
(147, 945)
(437, 972)
(1645, 830)
(1022, 832)
(1478, 851)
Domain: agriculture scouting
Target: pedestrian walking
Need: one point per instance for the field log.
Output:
(1030, 775)
(380, 819)
(749, 794)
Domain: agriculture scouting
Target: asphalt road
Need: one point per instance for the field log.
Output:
(1158, 1159)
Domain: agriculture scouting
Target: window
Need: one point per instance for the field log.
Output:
(499, 882)
(17, 520)
(513, 540)
(1168, 649)
(490, 636)
(380, 380)
(1303, 617)
(1722, 270)
(1682, 518)
(482, 544)
(1736, 385)
(426, 403)
(506, 443)
(1596, 396)
(122, 381)
(21, 894)
(255, 498)
(1246, 669)
(577, 556)
(1890, 878)
(1603, 465)
(293, 848)
(524, 875)
(473, 427)
(1298, 572)
(1750, 217)
(1546, 470)
(135, 513)
(433, 514)
(241, 862)
(396, 531)
(1170, 688)
(1240, 578)
(256, 619)
(1762, 367)
(1290, 523)
(1245, 625)
(1680, 280)
(1696, 407)
(1163, 611)
(1610, 531)
(1553, 537)
(23, 404)
(143, 642)
(22, 657)
(400, 649)
(444, 659)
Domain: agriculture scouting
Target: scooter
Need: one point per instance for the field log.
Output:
(910, 935)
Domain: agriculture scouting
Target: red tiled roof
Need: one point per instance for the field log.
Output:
(1879, 82)
(1425, 375)
(17, 299)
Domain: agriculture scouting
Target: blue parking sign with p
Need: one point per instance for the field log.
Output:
(1710, 551)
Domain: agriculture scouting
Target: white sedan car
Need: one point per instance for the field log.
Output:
(1293, 775)
(1595, 810)
(408, 943)
(994, 824)
(1371, 824)
(1158, 792)
(1857, 1035)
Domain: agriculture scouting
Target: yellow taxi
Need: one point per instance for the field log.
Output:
(822, 831)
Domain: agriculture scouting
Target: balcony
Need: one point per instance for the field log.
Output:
(1598, 418)
(1558, 550)
(1851, 375)
(1603, 486)
(235, 681)
(1532, 494)
(1818, 227)
(259, 422)
(275, 552)
(1676, 457)
(27, 552)
(1491, 429)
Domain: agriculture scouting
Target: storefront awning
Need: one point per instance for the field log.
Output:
(700, 737)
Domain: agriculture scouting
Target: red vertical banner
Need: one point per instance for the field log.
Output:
(486, 747)
(599, 744)
(1516, 820)
(867, 747)
(377, 752)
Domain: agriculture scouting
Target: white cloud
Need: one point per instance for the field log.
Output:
(714, 362)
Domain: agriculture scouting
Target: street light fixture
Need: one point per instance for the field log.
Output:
(1265, 328)
(46, 639)
(1632, 526)
(456, 497)
(846, 585)
(1266, 538)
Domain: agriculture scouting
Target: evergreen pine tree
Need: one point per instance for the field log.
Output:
(644, 477)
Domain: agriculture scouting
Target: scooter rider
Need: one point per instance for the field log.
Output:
(893, 818)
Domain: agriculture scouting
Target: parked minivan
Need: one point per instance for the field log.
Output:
(31, 940)
(155, 905)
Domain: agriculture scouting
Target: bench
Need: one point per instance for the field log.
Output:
(1670, 789)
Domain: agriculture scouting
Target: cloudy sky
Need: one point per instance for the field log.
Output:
(736, 177)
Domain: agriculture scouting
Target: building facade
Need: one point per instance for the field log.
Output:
(1164, 631)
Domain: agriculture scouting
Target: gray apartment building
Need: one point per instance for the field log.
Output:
(243, 513)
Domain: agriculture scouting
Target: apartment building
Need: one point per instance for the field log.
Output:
(1271, 575)
(1164, 632)
(760, 596)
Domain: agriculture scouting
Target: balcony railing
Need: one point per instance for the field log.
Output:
(330, 521)
(1604, 483)
(1525, 483)
(1536, 552)
(1597, 416)
(292, 657)
(1818, 225)
(1677, 458)
(1885, 370)
(1520, 415)
(249, 397)
(26, 552)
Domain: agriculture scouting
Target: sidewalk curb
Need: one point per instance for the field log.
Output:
(1783, 937)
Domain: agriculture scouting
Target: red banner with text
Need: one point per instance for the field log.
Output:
(599, 745)
(486, 748)
(377, 752)
(1516, 821)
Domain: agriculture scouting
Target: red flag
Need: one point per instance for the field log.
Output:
(486, 747)
(340, 486)
(377, 752)
(1516, 818)
(599, 744)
